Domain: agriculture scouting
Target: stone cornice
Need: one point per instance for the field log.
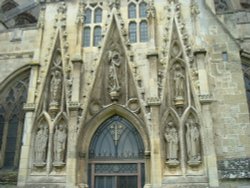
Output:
(16, 55)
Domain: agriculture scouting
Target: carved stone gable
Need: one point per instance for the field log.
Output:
(114, 82)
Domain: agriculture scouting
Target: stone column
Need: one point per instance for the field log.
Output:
(71, 162)
(205, 99)
(154, 104)
(29, 107)
(74, 107)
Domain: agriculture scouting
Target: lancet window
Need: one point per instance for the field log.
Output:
(92, 25)
(12, 100)
(138, 25)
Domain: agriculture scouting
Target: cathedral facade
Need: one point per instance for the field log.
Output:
(125, 93)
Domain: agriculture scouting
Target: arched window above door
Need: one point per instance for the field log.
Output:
(116, 138)
(116, 156)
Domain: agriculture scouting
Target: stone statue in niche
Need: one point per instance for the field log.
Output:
(60, 138)
(114, 64)
(179, 79)
(172, 147)
(41, 141)
(193, 143)
(55, 87)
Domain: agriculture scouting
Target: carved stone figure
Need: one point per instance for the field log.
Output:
(179, 82)
(55, 87)
(60, 138)
(41, 140)
(193, 141)
(171, 138)
(114, 86)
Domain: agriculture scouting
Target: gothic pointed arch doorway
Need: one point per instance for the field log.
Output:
(116, 156)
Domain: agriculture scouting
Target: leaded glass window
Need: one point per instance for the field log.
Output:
(143, 31)
(11, 142)
(132, 10)
(91, 35)
(143, 10)
(98, 15)
(88, 15)
(116, 138)
(86, 37)
(12, 100)
(132, 32)
(97, 35)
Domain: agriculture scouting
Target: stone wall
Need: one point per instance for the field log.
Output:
(216, 35)
(17, 49)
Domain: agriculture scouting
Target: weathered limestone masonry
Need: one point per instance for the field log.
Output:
(111, 108)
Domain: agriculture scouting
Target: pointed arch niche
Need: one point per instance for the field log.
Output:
(114, 150)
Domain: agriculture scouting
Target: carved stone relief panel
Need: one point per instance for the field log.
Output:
(114, 82)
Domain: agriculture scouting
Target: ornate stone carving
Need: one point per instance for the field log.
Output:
(55, 87)
(29, 106)
(41, 144)
(133, 105)
(194, 8)
(41, 20)
(60, 138)
(94, 107)
(193, 143)
(151, 12)
(114, 85)
(179, 80)
(172, 146)
(114, 3)
(154, 101)
(221, 5)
